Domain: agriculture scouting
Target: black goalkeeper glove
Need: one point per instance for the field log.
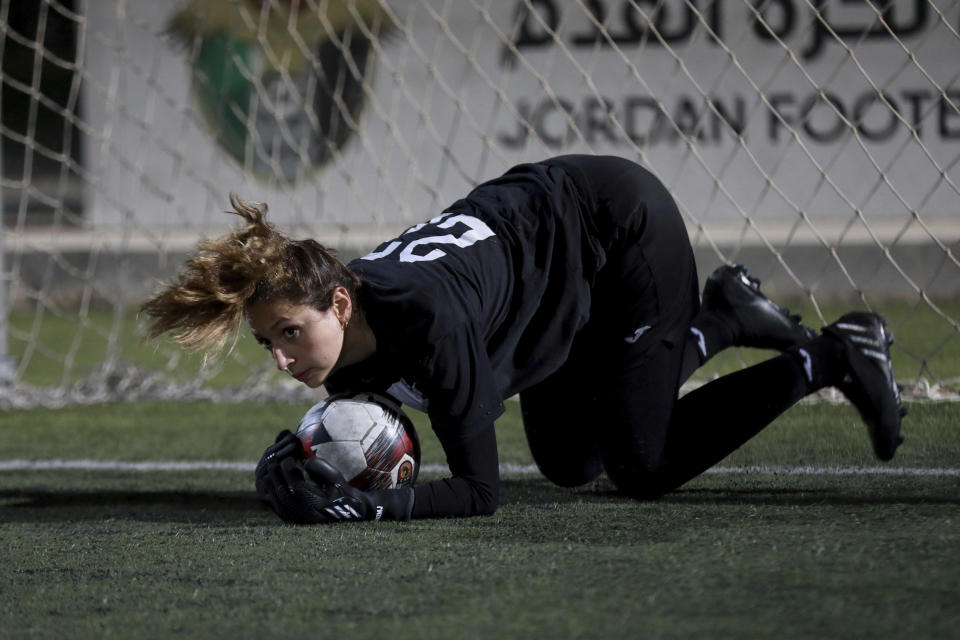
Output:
(286, 445)
(314, 492)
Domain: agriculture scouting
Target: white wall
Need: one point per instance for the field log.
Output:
(444, 109)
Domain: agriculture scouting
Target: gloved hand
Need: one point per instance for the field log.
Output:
(286, 445)
(314, 492)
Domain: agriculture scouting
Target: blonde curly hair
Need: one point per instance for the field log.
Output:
(207, 301)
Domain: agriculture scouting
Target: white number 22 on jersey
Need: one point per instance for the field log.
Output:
(476, 230)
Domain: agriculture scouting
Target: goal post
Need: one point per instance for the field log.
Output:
(6, 361)
(816, 142)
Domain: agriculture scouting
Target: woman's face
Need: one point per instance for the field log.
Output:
(303, 341)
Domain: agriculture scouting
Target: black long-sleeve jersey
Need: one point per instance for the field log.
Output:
(484, 301)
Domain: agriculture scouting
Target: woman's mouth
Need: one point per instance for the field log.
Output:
(303, 375)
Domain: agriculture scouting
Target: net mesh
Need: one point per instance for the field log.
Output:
(816, 142)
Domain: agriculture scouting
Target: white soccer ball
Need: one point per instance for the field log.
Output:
(366, 436)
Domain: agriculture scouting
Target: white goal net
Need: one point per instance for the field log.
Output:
(815, 141)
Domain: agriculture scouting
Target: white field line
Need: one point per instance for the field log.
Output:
(202, 465)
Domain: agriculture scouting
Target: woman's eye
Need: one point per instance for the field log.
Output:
(291, 332)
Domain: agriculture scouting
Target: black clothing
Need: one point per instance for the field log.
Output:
(489, 299)
(570, 282)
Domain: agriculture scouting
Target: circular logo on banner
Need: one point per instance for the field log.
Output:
(280, 88)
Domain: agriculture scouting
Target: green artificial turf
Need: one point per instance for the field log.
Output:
(148, 554)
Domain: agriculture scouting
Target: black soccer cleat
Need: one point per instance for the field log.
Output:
(869, 382)
(757, 321)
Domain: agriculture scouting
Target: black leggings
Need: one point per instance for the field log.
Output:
(636, 429)
(613, 406)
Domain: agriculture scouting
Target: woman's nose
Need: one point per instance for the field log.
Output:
(281, 358)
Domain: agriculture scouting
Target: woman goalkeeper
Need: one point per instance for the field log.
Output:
(570, 282)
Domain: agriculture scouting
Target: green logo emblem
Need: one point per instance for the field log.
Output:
(280, 103)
